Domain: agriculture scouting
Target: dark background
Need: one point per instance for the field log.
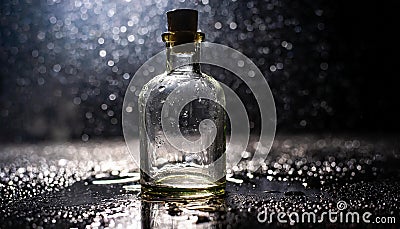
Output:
(332, 65)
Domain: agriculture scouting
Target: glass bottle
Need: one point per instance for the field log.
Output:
(167, 168)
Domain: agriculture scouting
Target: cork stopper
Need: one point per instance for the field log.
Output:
(182, 20)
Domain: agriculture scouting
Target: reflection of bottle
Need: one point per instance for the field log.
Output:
(182, 122)
(211, 213)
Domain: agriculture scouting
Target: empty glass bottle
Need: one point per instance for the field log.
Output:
(182, 120)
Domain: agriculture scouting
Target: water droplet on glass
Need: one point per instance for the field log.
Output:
(161, 88)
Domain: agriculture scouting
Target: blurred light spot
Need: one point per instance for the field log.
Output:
(324, 66)
(77, 100)
(42, 69)
(233, 25)
(50, 45)
(53, 20)
(89, 115)
(265, 50)
(218, 25)
(114, 121)
(126, 76)
(102, 53)
(319, 12)
(57, 68)
(41, 35)
(131, 38)
(110, 12)
(40, 81)
(35, 53)
(115, 30)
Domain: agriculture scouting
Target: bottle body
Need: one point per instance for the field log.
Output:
(170, 169)
(182, 120)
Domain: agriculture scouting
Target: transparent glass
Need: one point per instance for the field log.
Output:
(167, 170)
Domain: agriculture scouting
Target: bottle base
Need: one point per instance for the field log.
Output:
(182, 187)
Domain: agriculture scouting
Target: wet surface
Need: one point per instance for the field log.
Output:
(96, 185)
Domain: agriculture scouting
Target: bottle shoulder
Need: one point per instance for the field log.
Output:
(195, 84)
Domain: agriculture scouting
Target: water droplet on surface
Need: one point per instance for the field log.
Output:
(112, 97)
(85, 137)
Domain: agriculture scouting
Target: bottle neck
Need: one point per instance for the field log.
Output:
(183, 58)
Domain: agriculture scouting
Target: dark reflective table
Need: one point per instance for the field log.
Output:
(96, 185)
